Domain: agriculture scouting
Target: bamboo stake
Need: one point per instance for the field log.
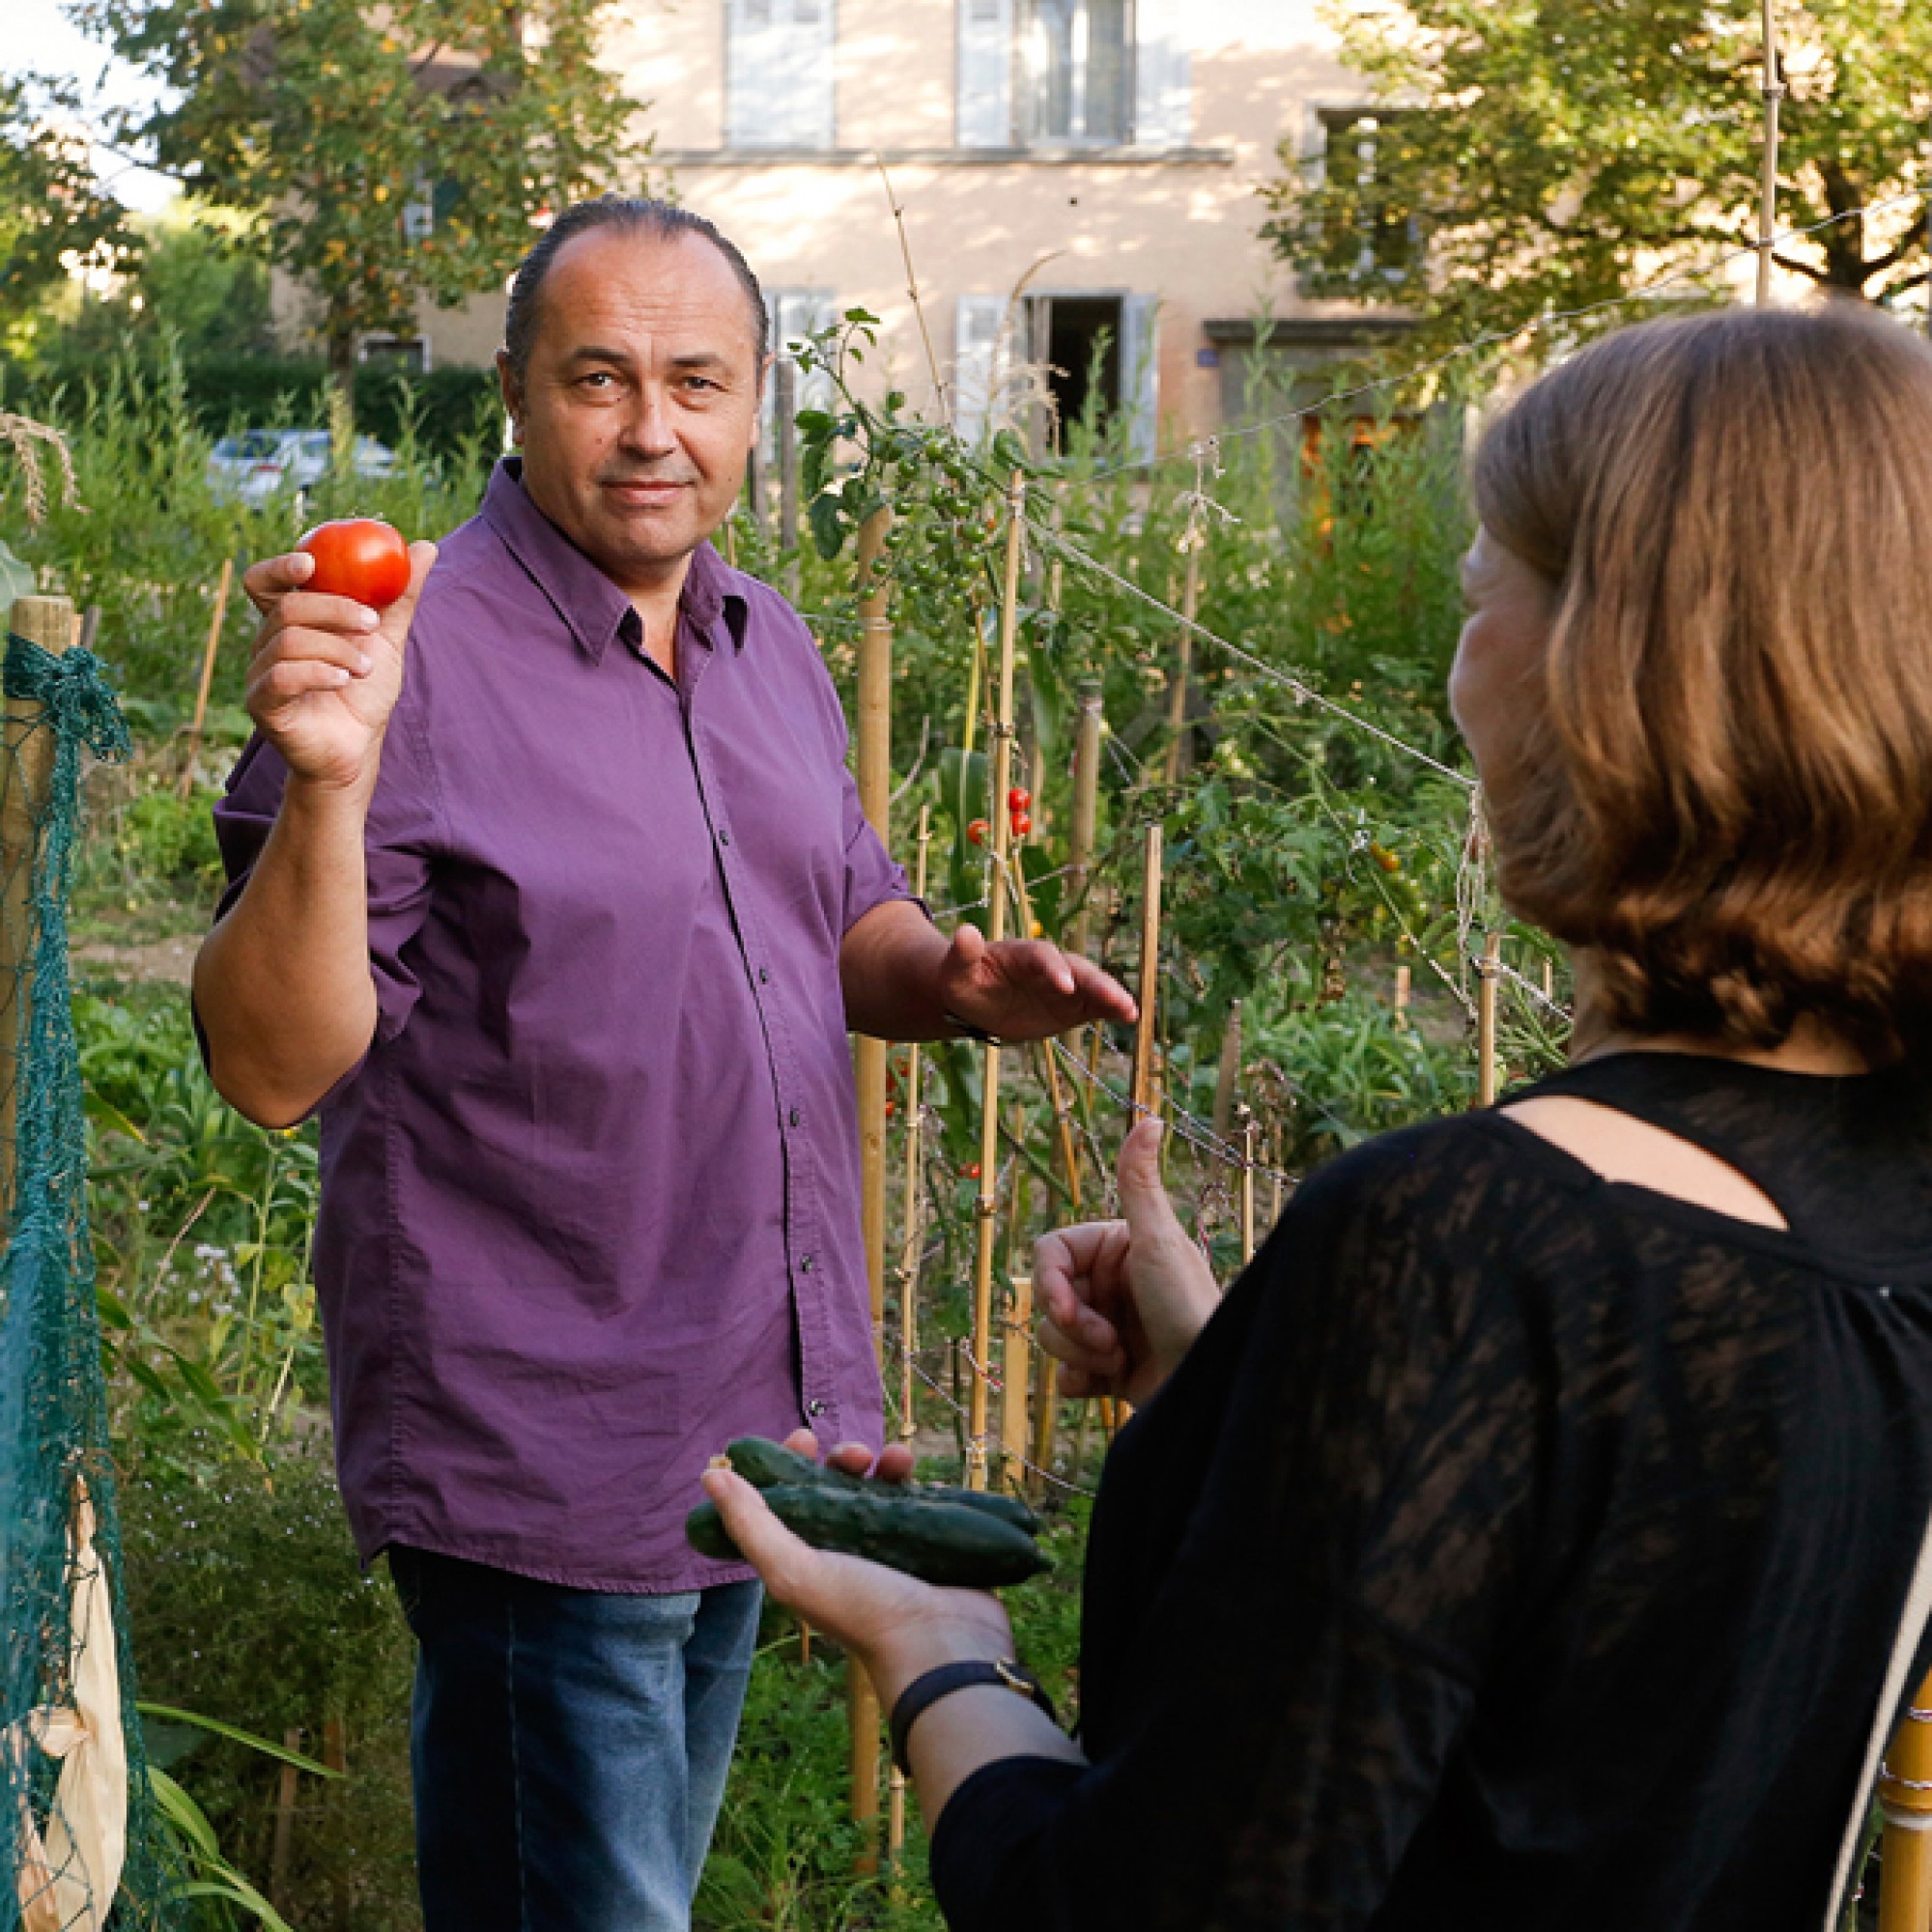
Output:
(24, 785)
(912, 1225)
(1045, 1422)
(1177, 702)
(1485, 1020)
(975, 677)
(1015, 1433)
(1086, 814)
(1274, 1168)
(1230, 1070)
(1148, 990)
(1402, 993)
(1767, 214)
(1245, 1117)
(214, 624)
(784, 427)
(995, 927)
(875, 778)
(1905, 1803)
(285, 1824)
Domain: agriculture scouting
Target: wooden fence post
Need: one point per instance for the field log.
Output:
(876, 778)
(29, 754)
(987, 1203)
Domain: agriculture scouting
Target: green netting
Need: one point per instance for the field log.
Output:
(68, 1719)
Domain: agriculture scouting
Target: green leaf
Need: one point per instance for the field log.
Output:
(281, 1752)
(829, 524)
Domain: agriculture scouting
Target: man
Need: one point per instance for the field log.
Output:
(549, 886)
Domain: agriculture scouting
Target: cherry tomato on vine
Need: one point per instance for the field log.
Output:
(358, 558)
(970, 1171)
(976, 833)
(1018, 799)
(1388, 861)
(1022, 825)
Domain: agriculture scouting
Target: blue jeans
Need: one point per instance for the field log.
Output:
(568, 1746)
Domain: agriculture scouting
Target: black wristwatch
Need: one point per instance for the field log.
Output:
(927, 1688)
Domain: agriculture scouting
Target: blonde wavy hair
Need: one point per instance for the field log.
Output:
(1728, 789)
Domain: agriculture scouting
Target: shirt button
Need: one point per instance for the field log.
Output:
(765, 977)
(815, 1406)
(795, 1117)
(723, 836)
(806, 1263)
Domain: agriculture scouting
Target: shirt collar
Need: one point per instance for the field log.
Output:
(593, 608)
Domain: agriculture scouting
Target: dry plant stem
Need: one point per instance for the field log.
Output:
(1767, 214)
(1176, 701)
(912, 292)
(1486, 1020)
(1905, 1801)
(29, 751)
(1148, 991)
(215, 623)
(20, 434)
(875, 782)
(995, 927)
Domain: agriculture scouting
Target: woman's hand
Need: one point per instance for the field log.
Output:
(895, 1625)
(1124, 1300)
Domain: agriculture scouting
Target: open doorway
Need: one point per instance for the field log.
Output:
(1077, 340)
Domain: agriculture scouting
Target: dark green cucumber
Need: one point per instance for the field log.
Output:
(938, 1542)
(766, 1465)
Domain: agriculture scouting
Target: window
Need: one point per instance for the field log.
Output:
(1351, 139)
(1075, 61)
(778, 73)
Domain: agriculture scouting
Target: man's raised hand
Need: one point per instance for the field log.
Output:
(326, 671)
(1026, 988)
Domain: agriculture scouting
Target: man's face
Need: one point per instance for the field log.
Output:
(639, 407)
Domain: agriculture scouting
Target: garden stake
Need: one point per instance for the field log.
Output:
(1274, 1171)
(1070, 1153)
(912, 1231)
(1177, 702)
(1766, 212)
(1086, 814)
(784, 428)
(29, 752)
(1014, 1435)
(996, 927)
(1905, 1801)
(1402, 992)
(285, 1824)
(207, 674)
(1485, 1020)
(1141, 1089)
(1228, 1070)
(875, 782)
(1244, 1116)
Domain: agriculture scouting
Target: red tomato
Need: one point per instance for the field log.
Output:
(358, 558)
(1018, 799)
(1022, 825)
(971, 1169)
(976, 833)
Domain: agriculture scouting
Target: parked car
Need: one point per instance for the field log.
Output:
(252, 465)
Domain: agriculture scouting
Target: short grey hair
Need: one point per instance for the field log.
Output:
(657, 220)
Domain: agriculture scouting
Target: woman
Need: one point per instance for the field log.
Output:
(1526, 1538)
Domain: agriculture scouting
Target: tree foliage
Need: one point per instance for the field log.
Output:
(1531, 156)
(392, 152)
(51, 207)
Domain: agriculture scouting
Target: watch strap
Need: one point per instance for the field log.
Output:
(927, 1688)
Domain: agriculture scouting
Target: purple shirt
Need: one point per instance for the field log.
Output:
(590, 1204)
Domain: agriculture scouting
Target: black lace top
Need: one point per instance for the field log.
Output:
(1514, 1549)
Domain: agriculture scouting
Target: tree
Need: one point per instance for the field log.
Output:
(391, 152)
(1530, 155)
(52, 210)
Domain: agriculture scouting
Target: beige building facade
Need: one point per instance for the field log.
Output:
(1079, 179)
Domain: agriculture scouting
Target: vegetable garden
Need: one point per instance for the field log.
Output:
(1187, 716)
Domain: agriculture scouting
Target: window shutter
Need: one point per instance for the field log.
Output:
(976, 325)
(1163, 76)
(1140, 375)
(985, 91)
(779, 73)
